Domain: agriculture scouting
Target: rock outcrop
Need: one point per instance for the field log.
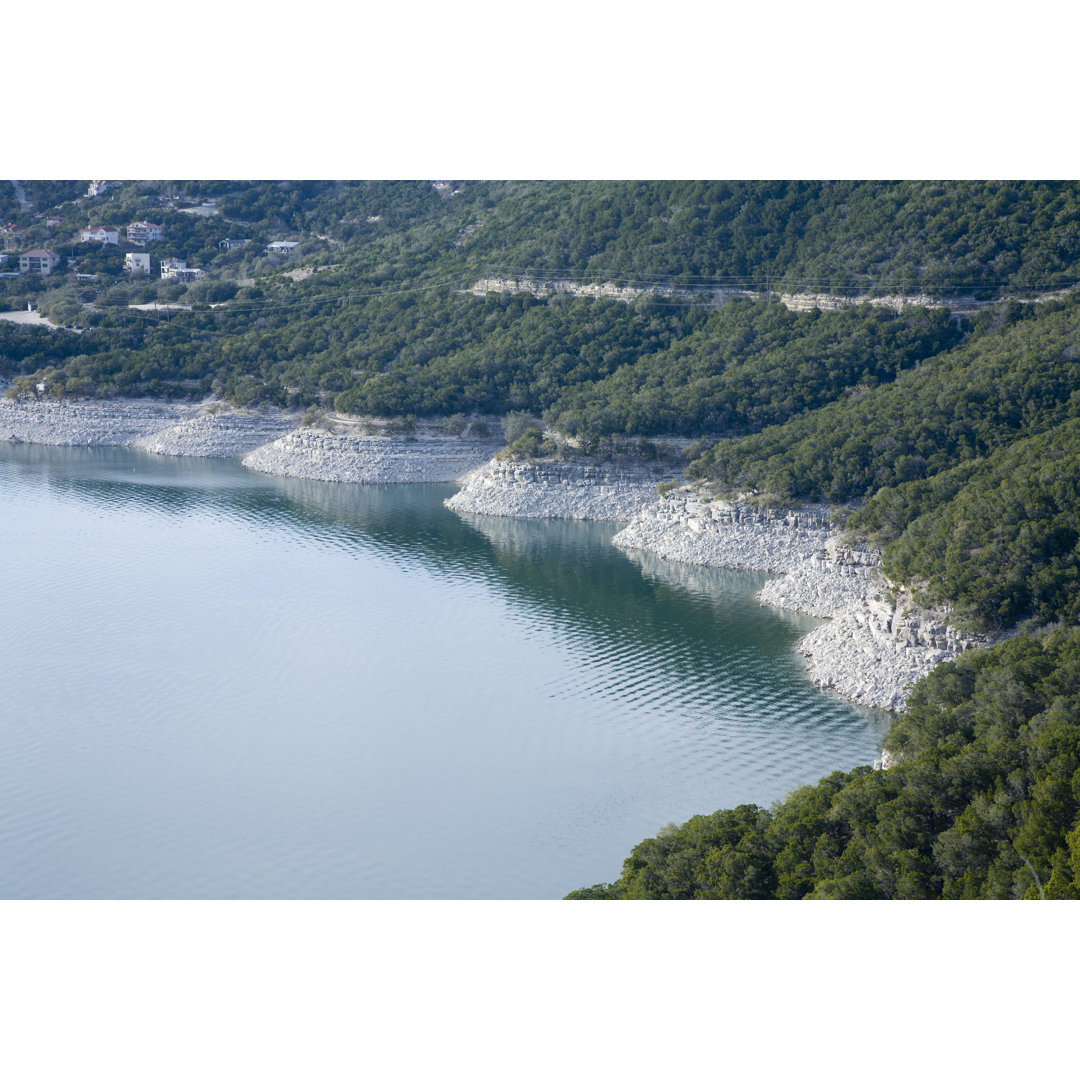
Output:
(876, 644)
(218, 433)
(717, 294)
(875, 650)
(686, 527)
(371, 459)
(88, 423)
(556, 489)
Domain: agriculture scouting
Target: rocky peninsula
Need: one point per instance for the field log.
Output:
(424, 457)
(551, 488)
(216, 432)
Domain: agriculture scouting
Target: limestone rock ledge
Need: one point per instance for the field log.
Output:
(685, 527)
(874, 651)
(875, 646)
(548, 488)
(370, 459)
(826, 583)
(218, 434)
(114, 422)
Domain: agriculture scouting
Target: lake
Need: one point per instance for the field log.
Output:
(219, 684)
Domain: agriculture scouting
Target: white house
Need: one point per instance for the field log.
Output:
(137, 262)
(97, 187)
(38, 261)
(281, 247)
(99, 234)
(177, 270)
(144, 232)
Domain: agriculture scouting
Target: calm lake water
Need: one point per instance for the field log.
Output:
(218, 684)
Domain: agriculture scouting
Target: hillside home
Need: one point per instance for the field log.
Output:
(281, 247)
(136, 262)
(228, 244)
(144, 232)
(177, 270)
(12, 236)
(38, 261)
(99, 234)
(97, 187)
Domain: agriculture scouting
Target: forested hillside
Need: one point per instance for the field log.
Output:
(370, 310)
(949, 439)
(983, 804)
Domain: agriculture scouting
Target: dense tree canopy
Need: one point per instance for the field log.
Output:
(983, 804)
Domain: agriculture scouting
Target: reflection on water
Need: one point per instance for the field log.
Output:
(226, 684)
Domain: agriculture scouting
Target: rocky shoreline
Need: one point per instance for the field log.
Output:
(266, 440)
(353, 458)
(218, 433)
(88, 423)
(557, 489)
(876, 644)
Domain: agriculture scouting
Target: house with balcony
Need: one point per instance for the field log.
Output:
(38, 261)
(144, 232)
(281, 247)
(178, 270)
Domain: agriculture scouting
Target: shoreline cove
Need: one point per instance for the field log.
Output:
(876, 643)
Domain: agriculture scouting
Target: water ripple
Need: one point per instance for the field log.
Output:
(219, 684)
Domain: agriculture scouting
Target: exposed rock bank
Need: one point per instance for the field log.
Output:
(88, 423)
(826, 583)
(372, 459)
(685, 527)
(218, 433)
(267, 440)
(874, 651)
(159, 427)
(875, 646)
(557, 489)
